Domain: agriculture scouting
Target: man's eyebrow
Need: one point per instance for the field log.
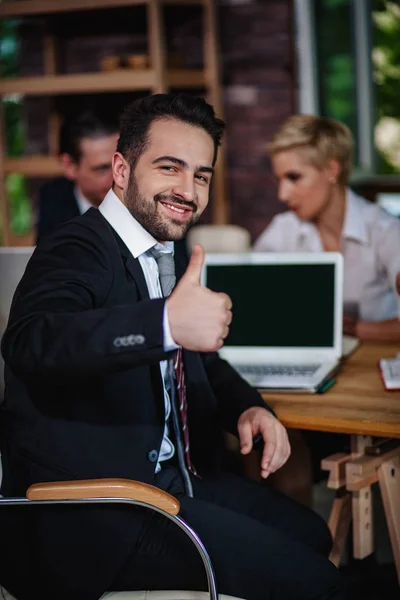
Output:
(173, 159)
(205, 170)
(182, 163)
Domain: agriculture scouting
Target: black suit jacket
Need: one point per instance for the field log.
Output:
(56, 205)
(84, 398)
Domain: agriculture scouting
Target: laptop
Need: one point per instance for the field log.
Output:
(286, 332)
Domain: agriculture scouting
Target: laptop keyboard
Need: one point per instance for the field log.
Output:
(278, 370)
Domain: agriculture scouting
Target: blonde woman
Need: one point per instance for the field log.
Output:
(311, 158)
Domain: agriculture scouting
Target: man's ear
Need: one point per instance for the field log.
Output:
(121, 171)
(69, 166)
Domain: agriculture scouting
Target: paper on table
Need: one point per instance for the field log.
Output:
(389, 369)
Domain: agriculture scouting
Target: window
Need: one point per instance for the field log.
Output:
(386, 80)
(336, 61)
(349, 69)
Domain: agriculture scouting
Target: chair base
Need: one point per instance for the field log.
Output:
(163, 595)
(146, 595)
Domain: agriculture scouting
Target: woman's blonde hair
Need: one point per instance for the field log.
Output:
(321, 139)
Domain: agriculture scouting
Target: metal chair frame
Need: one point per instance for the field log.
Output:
(212, 588)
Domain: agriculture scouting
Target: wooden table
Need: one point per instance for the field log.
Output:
(358, 405)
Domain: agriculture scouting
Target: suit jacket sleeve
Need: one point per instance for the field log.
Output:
(56, 205)
(234, 395)
(50, 195)
(44, 223)
(60, 324)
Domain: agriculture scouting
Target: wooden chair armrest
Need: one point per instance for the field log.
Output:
(104, 488)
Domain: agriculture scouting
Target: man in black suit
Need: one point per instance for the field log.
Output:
(89, 385)
(87, 144)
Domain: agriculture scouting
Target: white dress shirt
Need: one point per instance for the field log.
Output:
(370, 248)
(82, 202)
(139, 241)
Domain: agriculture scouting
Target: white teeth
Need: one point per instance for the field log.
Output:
(179, 210)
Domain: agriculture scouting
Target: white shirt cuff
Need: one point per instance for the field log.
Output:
(169, 343)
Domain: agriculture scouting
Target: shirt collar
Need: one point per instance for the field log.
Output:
(82, 202)
(306, 228)
(134, 236)
(354, 222)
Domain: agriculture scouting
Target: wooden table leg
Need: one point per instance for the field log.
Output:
(340, 515)
(352, 476)
(363, 531)
(389, 481)
(339, 524)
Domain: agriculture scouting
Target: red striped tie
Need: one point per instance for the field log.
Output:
(181, 387)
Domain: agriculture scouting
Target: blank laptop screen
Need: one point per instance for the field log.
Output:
(279, 305)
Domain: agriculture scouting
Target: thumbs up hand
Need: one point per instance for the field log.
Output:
(199, 319)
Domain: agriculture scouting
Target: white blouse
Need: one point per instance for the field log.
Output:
(370, 248)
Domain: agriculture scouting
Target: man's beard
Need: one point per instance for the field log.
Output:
(145, 212)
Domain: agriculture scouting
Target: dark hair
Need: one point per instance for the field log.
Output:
(139, 115)
(87, 125)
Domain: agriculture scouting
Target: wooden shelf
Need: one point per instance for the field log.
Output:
(186, 78)
(157, 79)
(33, 166)
(22, 240)
(21, 8)
(85, 83)
(9, 8)
(185, 2)
(97, 83)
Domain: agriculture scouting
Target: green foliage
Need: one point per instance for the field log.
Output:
(12, 104)
(336, 69)
(339, 80)
(18, 198)
(335, 3)
(386, 72)
(9, 58)
(14, 130)
(20, 203)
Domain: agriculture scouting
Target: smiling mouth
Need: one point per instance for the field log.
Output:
(177, 209)
(177, 212)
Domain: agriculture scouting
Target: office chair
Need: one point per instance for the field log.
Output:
(12, 265)
(122, 491)
(220, 238)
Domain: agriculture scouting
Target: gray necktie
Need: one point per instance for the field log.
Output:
(166, 269)
(166, 272)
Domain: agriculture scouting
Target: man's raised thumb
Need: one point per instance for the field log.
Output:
(195, 266)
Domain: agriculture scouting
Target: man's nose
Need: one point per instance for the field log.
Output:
(185, 188)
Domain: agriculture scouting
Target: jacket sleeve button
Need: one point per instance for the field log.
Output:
(152, 455)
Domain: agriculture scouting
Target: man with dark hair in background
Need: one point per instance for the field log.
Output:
(87, 143)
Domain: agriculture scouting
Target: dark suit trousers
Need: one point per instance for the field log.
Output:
(263, 545)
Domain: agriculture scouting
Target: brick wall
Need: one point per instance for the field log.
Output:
(257, 74)
(258, 78)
